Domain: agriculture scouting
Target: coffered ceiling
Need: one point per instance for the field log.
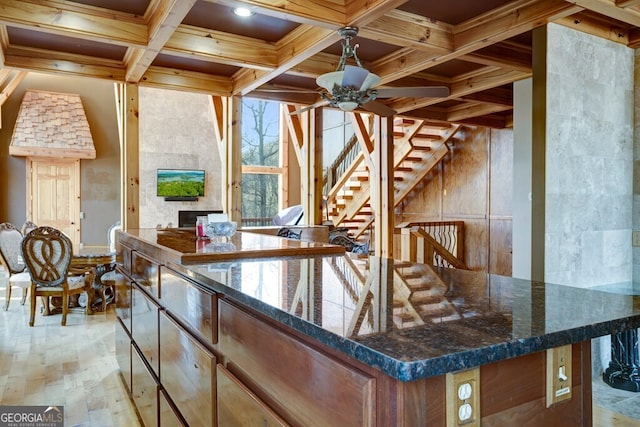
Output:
(476, 48)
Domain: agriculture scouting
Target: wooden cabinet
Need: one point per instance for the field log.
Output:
(123, 299)
(144, 389)
(191, 303)
(145, 272)
(169, 415)
(187, 372)
(144, 327)
(302, 384)
(239, 407)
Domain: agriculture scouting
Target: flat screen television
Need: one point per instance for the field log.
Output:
(180, 184)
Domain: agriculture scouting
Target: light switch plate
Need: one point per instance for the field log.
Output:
(558, 374)
(463, 398)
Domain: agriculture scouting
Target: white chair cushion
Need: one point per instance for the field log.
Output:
(75, 282)
(20, 279)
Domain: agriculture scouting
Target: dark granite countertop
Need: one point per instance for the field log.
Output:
(413, 321)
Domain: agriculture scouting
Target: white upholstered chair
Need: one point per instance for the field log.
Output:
(109, 279)
(11, 260)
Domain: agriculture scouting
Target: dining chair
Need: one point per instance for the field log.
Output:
(27, 227)
(109, 279)
(47, 252)
(12, 262)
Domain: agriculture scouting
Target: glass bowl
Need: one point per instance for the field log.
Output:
(221, 229)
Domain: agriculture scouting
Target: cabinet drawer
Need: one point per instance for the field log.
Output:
(144, 390)
(144, 327)
(299, 382)
(123, 300)
(188, 373)
(169, 415)
(238, 406)
(123, 353)
(123, 256)
(145, 273)
(197, 307)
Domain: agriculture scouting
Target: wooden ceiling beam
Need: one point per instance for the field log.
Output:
(627, 3)
(611, 9)
(76, 20)
(190, 81)
(322, 14)
(164, 19)
(299, 45)
(306, 41)
(4, 43)
(465, 85)
(30, 59)
(360, 13)
(222, 48)
(587, 22)
(409, 30)
(513, 18)
(496, 96)
(502, 54)
(470, 110)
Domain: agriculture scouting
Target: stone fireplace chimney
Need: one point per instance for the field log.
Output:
(53, 125)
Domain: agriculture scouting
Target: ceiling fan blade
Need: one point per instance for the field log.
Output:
(378, 108)
(413, 92)
(354, 76)
(310, 107)
(284, 90)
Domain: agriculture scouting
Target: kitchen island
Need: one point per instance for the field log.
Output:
(335, 339)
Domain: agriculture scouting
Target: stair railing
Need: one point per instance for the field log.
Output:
(439, 243)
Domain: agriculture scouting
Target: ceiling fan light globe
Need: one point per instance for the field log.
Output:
(371, 81)
(329, 80)
(347, 105)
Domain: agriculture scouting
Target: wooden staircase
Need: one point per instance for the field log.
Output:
(419, 296)
(419, 145)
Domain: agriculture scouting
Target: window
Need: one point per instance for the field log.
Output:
(262, 172)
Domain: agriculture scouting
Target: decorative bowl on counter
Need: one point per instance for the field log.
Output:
(221, 229)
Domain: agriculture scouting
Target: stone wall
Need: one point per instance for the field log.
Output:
(589, 152)
(176, 132)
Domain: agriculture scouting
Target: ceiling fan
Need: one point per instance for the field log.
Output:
(351, 87)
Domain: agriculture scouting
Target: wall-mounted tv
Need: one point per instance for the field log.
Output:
(180, 184)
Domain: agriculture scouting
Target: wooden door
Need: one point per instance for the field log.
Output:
(54, 195)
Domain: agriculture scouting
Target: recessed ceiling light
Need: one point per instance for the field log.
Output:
(242, 11)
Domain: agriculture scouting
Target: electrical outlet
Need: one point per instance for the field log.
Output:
(558, 374)
(635, 238)
(463, 398)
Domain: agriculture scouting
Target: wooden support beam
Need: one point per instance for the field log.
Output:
(381, 185)
(130, 159)
(233, 159)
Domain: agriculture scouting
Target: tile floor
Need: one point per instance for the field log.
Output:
(623, 402)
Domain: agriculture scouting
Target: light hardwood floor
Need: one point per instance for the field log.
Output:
(72, 366)
(75, 367)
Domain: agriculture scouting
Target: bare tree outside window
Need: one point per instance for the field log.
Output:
(260, 155)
